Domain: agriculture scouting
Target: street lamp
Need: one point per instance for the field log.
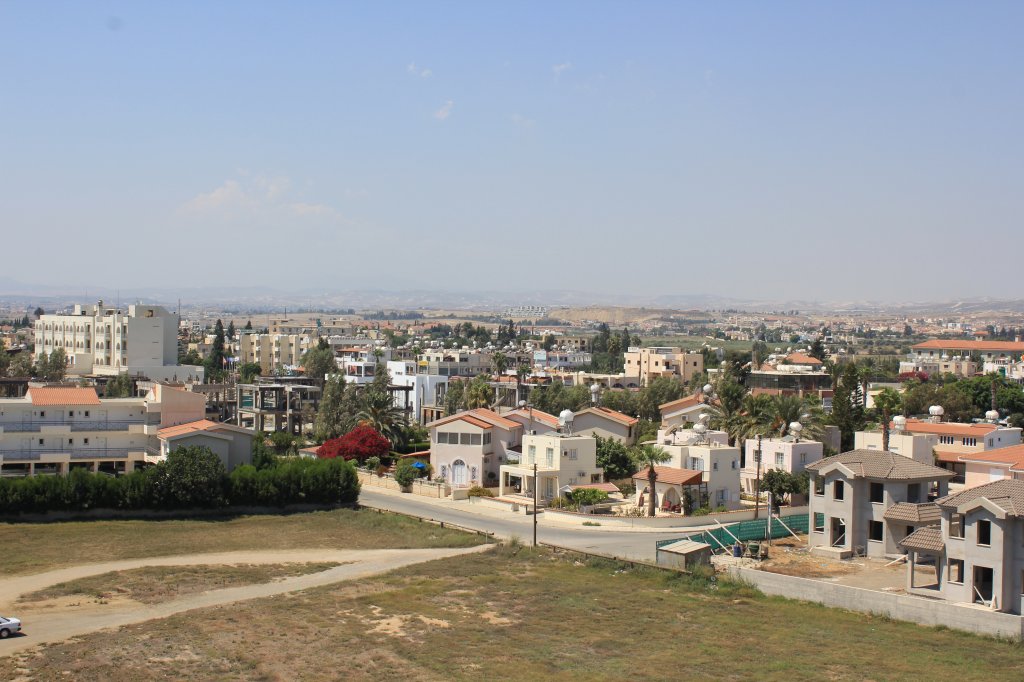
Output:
(524, 405)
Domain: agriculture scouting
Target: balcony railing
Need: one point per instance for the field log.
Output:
(75, 453)
(76, 425)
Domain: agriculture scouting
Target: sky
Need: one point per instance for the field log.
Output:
(797, 150)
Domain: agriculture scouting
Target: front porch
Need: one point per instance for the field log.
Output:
(518, 481)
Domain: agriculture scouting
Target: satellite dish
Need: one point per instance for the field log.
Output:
(936, 411)
(992, 416)
(565, 418)
(899, 422)
(796, 427)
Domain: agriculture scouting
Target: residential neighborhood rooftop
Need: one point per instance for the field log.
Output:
(881, 464)
(1007, 494)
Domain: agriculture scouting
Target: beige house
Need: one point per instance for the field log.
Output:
(916, 446)
(470, 447)
(662, 361)
(561, 460)
(956, 440)
(54, 429)
(851, 493)
(601, 421)
(682, 411)
(976, 552)
(788, 454)
(994, 465)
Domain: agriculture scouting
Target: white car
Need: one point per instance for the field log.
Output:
(8, 626)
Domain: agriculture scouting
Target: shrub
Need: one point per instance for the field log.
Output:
(189, 477)
(359, 444)
(372, 463)
(700, 511)
(588, 496)
(479, 491)
(406, 473)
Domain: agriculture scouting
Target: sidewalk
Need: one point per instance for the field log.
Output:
(476, 509)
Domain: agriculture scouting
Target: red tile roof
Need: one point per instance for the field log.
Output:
(802, 359)
(1013, 456)
(196, 426)
(59, 395)
(688, 401)
(949, 428)
(485, 419)
(610, 414)
(672, 475)
(961, 344)
(539, 415)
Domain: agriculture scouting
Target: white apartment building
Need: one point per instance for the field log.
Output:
(788, 454)
(425, 390)
(53, 429)
(108, 341)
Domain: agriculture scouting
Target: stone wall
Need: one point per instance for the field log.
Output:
(899, 606)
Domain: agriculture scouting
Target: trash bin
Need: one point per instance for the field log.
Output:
(737, 550)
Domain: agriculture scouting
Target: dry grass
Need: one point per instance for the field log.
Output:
(34, 547)
(155, 584)
(517, 614)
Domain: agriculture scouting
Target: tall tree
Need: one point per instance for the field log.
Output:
(478, 393)
(120, 386)
(454, 396)
(231, 329)
(319, 362)
(650, 456)
(216, 361)
(336, 415)
(248, 325)
(848, 405)
(887, 403)
(818, 350)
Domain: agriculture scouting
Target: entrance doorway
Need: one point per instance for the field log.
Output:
(838, 532)
(460, 475)
(982, 585)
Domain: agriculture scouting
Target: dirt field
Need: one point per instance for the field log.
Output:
(515, 614)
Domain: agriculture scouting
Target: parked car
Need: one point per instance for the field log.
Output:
(8, 626)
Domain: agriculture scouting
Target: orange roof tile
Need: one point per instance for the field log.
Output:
(688, 401)
(962, 344)
(189, 427)
(949, 428)
(1013, 455)
(611, 414)
(539, 415)
(672, 475)
(802, 359)
(495, 418)
(60, 395)
(485, 419)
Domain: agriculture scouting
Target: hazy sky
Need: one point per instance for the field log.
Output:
(819, 150)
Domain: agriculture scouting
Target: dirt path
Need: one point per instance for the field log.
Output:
(44, 626)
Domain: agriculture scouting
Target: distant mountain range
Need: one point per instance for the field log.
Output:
(257, 299)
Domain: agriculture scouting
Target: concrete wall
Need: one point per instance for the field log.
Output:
(898, 606)
(419, 486)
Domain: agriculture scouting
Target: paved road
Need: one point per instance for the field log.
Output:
(626, 544)
(43, 626)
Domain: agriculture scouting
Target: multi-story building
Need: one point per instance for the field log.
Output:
(607, 423)
(454, 363)
(658, 361)
(956, 440)
(278, 406)
(560, 359)
(917, 446)
(359, 364)
(273, 351)
(55, 429)
(788, 454)
(102, 340)
(852, 493)
(469, 448)
(561, 460)
(426, 392)
(976, 548)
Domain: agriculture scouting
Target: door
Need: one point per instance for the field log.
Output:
(982, 585)
(460, 475)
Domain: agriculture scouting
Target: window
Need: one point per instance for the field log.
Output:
(838, 491)
(956, 526)
(819, 523)
(984, 532)
(573, 453)
(970, 441)
(946, 440)
(475, 439)
(549, 456)
(956, 571)
(87, 413)
(819, 485)
(877, 493)
(85, 441)
(42, 441)
(533, 453)
(42, 413)
(734, 464)
(714, 466)
(803, 458)
(875, 529)
(914, 492)
(71, 413)
(487, 438)
(464, 439)
(780, 460)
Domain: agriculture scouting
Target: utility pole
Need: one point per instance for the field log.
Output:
(757, 460)
(535, 482)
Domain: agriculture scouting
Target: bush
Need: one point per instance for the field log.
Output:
(700, 511)
(479, 491)
(406, 473)
(359, 444)
(588, 496)
(372, 463)
(191, 477)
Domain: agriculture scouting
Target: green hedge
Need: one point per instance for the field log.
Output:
(189, 478)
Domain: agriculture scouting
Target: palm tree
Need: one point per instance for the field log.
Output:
(726, 408)
(380, 412)
(500, 362)
(649, 456)
(887, 402)
(478, 393)
(758, 417)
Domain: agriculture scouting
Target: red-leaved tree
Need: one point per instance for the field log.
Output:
(358, 444)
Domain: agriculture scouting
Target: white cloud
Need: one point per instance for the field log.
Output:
(522, 121)
(445, 111)
(417, 71)
(557, 69)
(257, 198)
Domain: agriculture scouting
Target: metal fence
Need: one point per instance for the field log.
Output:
(745, 531)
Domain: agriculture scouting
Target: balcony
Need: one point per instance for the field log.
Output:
(75, 453)
(75, 425)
